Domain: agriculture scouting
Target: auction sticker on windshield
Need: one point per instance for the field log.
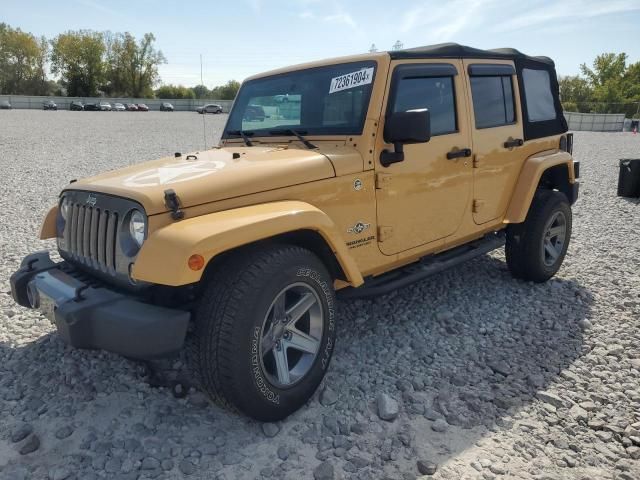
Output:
(351, 80)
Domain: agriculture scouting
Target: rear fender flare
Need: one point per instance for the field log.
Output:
(529, 179)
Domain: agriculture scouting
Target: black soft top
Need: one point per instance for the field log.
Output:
(455, 50)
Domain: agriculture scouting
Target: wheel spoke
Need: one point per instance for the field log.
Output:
(282, 364)
(279, 311)
(301, 341)
(556, 231)
(267, 343)
(301, 307)
(551, 250)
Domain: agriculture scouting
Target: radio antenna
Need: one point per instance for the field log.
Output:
(204, 127)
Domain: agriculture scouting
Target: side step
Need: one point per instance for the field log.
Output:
(424, 268)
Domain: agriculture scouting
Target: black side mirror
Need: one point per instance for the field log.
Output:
(413, 126)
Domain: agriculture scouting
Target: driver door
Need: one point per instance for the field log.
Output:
(424, 198)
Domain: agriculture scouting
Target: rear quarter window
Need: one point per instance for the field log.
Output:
(538, 95)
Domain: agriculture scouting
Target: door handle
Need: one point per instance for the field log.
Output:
(463, 152)
(513, 142)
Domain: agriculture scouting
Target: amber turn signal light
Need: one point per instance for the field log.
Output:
(196, 262)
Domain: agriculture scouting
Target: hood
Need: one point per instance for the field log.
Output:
(210, 176)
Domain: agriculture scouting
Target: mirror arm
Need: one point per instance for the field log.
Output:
(387, 158)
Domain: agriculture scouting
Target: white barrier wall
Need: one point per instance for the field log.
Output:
(35, 102)
(595, 122)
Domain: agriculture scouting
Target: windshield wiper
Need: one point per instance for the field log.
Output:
(298, 134)
(244, 135)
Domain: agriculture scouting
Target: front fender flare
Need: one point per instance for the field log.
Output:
(529, 179)
(163, 257)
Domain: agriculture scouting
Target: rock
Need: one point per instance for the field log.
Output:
(328, 397)
(59, 473)
(150, 463)
(588, 406)
(551, 399)
(499, 366)
(440, 426)
(270, 429)
(634, 452)
(63, 432)
(187, 467)
(585, 324)
(387, 407)
(20, 432)
(578, 413)
(283, 453)
(324, 471)
(30, 444)
(167, 464)
(112, 465)
(427, 468)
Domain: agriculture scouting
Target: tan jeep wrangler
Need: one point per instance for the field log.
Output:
(359, 175)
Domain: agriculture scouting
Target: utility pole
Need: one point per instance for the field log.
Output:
(397, 46)
(373, 48)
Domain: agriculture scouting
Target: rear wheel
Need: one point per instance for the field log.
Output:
(536, 248)
(265, 331)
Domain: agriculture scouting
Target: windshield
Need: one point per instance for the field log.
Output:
(317, 101)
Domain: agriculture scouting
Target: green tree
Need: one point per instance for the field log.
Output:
(201, 91)
(22, 62)
(575, 93)
(174, 91)
(605, 78)
(228, 91)
(78, 58)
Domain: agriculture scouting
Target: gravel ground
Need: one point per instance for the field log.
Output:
(476, 375)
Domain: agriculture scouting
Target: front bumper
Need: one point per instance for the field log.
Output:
(87, 314)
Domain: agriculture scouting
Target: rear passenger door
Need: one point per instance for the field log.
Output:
(497, 135)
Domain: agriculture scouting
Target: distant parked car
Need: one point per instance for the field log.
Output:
(118, 107)
(210, 108)
(105, 106)
(131, 107)
(166, 107)
(92, 107)
(254, 113)
(142, 107)
(76, 105)
(50, 105)
(5, 105)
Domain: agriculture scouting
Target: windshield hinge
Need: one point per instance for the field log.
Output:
(382, 180)
(172, 202)
(384, 233)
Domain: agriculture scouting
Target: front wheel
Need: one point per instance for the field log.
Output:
(536, 248)
(265, 331)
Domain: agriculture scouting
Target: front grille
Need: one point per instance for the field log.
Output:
(90, 236)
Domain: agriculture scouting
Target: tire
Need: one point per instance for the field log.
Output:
(234, 351)
(536, 248)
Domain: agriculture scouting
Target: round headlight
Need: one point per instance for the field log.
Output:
(137, 227)
(64, 208)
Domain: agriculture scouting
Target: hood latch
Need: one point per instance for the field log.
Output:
(172, 202)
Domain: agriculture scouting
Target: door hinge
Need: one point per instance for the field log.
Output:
(478, 205)
(382, 180)
(476, 161)
(384, 233)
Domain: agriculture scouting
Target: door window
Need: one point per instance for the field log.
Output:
(492, 101)
(433, 93)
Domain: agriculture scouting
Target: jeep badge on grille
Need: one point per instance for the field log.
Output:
(91, 200)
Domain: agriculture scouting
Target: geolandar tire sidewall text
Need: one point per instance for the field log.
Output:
(262, 399)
